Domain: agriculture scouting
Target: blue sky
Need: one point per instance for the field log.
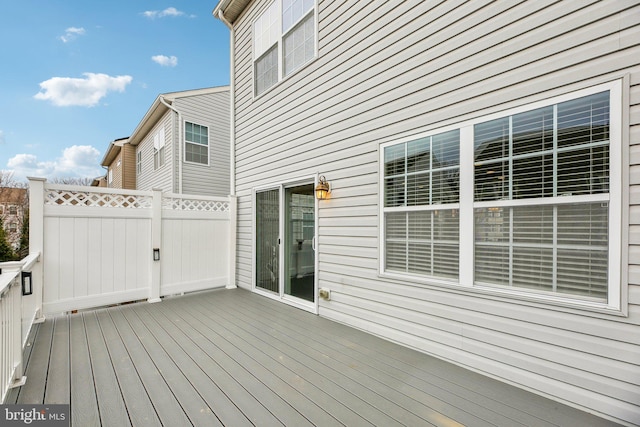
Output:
(76, 75)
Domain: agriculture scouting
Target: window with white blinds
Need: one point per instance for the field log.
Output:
(527, 202)
(421, 205)
(551, 157)
(284, 39)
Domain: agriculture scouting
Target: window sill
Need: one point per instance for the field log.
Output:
(511, 296)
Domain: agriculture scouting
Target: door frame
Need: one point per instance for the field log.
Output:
(281, 186)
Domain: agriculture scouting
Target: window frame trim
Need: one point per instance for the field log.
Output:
(185, 141)
(280, 48)
(465, 282)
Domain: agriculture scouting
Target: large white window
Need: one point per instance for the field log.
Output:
(284, 38)
(196, 143)
(524, 202)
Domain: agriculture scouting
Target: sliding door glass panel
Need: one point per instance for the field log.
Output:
(299, 280)
(267, 240)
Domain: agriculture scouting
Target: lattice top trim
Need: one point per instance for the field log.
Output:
(99, 200)
(181, 204)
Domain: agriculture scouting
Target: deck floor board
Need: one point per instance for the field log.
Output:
(234, 358)
(84, 402)
(113, 411)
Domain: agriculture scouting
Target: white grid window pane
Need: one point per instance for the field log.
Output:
(423, 172)
(293, 10)
(584, 120)
(518, 247)
(265, 30)
(266, 70)
(299, 45)
(196, 143)
(561, 248)
(423, 242)
(396, 244)
(196, 153)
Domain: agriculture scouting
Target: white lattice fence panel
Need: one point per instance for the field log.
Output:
(101, 200)
(197, 205)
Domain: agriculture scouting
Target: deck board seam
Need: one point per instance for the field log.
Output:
(195, 321)
(314, 369)
(375, 369)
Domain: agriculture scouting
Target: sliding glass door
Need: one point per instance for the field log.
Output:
(299, 255)
(285, 243)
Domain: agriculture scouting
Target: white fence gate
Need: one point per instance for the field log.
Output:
(105, 246)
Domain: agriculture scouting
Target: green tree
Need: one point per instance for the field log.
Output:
(6, 252)
(23, 249)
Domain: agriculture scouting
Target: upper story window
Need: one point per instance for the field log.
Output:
(524, 202)
(158, 149)
(110, 176)
(13, 210)
(196, 143)
(139, 162)
(284, 38)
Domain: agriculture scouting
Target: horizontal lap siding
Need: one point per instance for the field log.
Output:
(391, 69)
(128, 167)
(161, 178)
(211, 110)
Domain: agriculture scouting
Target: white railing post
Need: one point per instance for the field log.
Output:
(11, 364)
(16, 298)
(156, 247)
(233, 229)
(36, 240)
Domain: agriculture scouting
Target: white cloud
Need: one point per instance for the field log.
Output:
(165, 61)
(170, 11)
(78, 161)
(2, 138)
(71, 33)
(85, 92)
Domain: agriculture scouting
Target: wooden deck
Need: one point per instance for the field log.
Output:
(230, 357)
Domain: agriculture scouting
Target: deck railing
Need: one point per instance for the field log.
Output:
(17, 318)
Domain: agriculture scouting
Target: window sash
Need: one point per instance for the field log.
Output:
(284, 39)
(196, 143)
(596, 197)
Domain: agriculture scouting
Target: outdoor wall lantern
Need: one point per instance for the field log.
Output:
(156, 254)
(27, 287)
(322, 189)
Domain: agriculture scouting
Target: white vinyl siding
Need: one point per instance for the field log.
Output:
(212, 111)
(396, 71)
(284, 39)
(150, 177)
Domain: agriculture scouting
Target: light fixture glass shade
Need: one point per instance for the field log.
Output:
(322, 189)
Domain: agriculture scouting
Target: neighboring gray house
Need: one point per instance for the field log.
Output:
(182, 143)
(484, 164)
